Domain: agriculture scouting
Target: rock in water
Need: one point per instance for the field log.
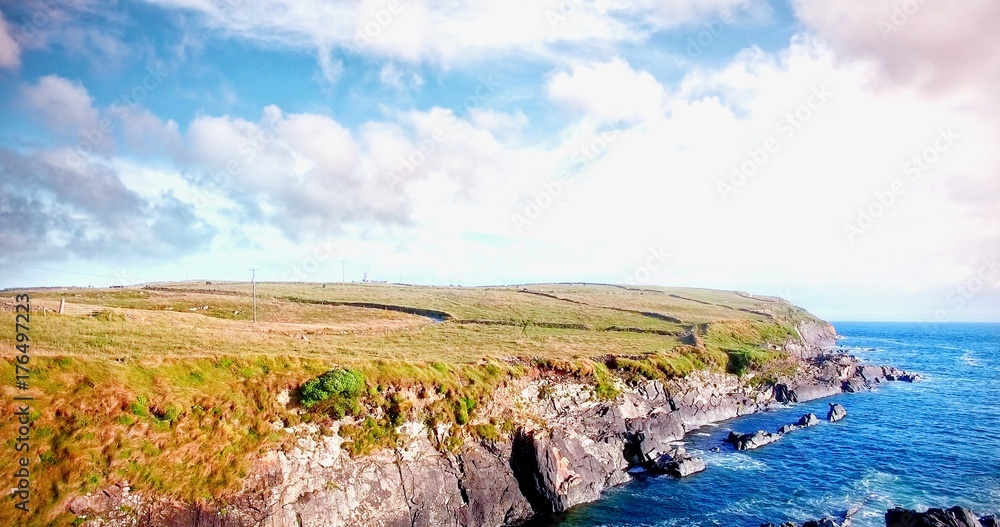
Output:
(953, 517)
(803, 422)
(681, 468)
(678, 463)
(825, 522)
(836, 413)
(808, 420)
(752, 441)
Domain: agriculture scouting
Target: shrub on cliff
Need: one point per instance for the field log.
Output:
(745, 359)
(339, 389)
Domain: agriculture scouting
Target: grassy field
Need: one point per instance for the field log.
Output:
(173, 387)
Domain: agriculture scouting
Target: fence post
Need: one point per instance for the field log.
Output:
(62, 305)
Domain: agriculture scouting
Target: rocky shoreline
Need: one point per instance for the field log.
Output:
(568, 447)
(899, 517)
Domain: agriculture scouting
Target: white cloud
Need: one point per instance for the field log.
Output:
(609, 91)
(291, 171)
(398, 78)
(64, 105)
(657, 183)
(55, 212)
(941, 45)
(146, 134)
(10, 51)
(451, 32)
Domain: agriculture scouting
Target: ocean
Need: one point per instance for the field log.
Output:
(933, 443)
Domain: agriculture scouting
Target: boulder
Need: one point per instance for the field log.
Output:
(803, 422)
(809, 419)
(752, 441)
(687, 466)
(836, 413)
(678, 463)
(953, 517)
(825, 522)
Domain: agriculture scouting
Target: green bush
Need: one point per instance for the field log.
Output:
(487, 432)
(463, 409)
(140, 407)
(339, 389)
(743, 360)
(605, 385)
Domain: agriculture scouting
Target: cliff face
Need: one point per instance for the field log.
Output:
(816, 337)
(568, 447)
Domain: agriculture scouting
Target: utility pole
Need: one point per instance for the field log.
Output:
(253, 281)
(342, 273)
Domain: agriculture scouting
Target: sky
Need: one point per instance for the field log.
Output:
(839, 154)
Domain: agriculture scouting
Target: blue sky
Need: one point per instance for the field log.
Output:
(842, 156)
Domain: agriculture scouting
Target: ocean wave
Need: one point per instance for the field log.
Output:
(969, 358)
(734, 461)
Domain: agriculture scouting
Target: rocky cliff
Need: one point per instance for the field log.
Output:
(566, 447)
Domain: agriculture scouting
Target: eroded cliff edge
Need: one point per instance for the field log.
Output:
(564, 446)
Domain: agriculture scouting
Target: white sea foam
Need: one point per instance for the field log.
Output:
(735, 461)
(969, 358)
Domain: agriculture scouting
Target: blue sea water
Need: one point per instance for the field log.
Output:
(928, 444)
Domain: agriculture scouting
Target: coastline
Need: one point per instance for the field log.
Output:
(567, 448)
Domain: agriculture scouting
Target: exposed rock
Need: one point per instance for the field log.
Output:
(817, 337)
(894, 374)
(678, 463)
(805, 421)
(853, 385)
(809, 419)
(650, 437)
(99, 501)
(825, 522)
(682, 468)
(836, 413)
(752, 441)
(843, 520)
(783, 394)
(953, 517)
